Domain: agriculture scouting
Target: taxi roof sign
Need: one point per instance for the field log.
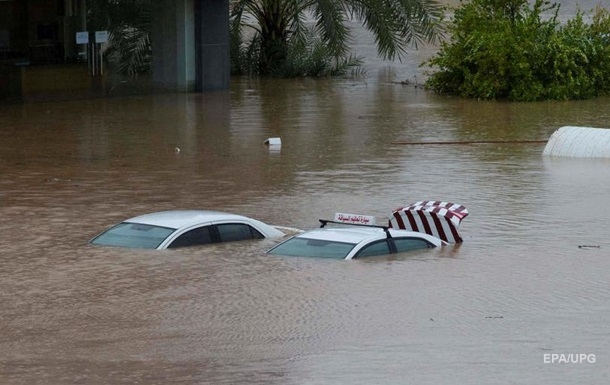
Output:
(356, 219)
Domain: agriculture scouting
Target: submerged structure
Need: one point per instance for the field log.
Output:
(57, 49)
(579, 142)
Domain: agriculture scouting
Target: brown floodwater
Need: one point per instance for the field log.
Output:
(486, 312)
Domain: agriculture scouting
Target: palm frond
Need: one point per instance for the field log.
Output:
(282, 29)
(330, 18)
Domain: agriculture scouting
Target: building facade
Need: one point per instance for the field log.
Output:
(52, 49)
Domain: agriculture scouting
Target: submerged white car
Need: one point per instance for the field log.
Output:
(180, 228)
(421, 225)
(353, 241)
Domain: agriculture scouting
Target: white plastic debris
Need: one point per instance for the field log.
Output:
(579, 142)
(275, 145)
(273, 142)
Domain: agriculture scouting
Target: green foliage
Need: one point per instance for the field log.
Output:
(129, 23)
(506, 49)
(288, 38)
(303, 57)
(311, 57)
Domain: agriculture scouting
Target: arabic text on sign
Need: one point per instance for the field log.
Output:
(355, 219)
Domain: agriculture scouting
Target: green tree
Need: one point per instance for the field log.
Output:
(311, 37)
(509, 49)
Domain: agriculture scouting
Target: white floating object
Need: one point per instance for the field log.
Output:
(274, 142)
(579, 142)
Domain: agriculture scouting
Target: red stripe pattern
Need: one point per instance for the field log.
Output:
(440, 219)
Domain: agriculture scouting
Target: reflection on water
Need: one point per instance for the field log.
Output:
(484, 312)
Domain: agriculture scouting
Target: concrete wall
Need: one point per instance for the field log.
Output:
(190, 45)
(212, 45)
(173, 45)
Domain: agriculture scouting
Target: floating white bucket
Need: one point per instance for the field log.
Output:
(273, 142)
(579, 142)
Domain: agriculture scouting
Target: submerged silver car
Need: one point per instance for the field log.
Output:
(350, 241)
(180, 228)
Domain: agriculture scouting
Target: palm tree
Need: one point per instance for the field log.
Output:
(129, 23)
(278, 25)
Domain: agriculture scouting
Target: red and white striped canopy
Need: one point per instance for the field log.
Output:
(440, 219)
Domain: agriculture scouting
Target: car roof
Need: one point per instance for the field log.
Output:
(177, 219)
(358, 234)
(343, 234)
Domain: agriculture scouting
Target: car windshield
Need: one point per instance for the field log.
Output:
(134, 235)
(306, 247)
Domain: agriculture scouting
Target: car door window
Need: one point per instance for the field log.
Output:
(377, 248)
(198, 236)
(408, 244)
(237, 232)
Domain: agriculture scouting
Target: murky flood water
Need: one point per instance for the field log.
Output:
(485, 312)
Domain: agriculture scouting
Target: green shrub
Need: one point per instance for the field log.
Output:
(506, 49)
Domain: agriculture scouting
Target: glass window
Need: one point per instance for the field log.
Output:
(133, 235)
(408, 244)
(377, 248)
(198, 236)
(237, 232)
(305, 247)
